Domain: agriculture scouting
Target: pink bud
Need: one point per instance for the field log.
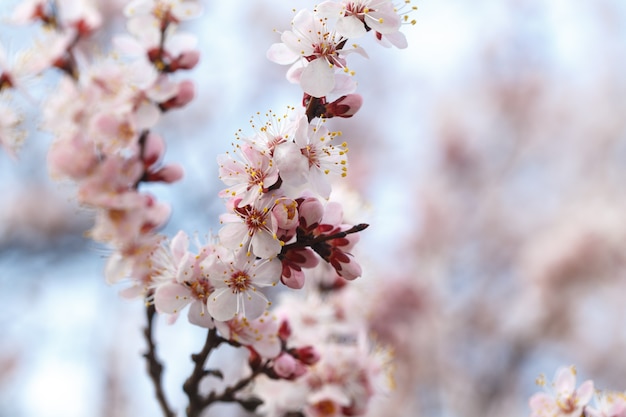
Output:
(344, 106)
(168, 174)
(154, 147)
(284, 331)
(311, 212)
(344, 264)
(187, 60)
(284, 365)
(286, 214)
(186, 93)
(307, 355)
(292, 276)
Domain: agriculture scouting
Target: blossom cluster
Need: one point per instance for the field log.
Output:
(562, 398)
(350, 371)
(319, 42)
(278, 222)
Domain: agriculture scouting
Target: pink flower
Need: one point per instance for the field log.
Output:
(72, 157)
(316, 156)
(610, 404)
(356, 17)
(154, 148)
(168, 52)
(237, 279)
(565, 400)
(164, 11)
(314, 51)
(181, 281)
(249, 179)
(252, 227)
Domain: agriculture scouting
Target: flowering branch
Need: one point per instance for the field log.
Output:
(279, 219)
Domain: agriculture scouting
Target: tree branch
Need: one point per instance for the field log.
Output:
(155, 367)
(192, 384)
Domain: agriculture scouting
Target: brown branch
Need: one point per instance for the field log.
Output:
(155, 367)
(192, 384)
(228, 395)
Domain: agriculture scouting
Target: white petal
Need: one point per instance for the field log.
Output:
(318, 78)
(254, 304)
(267, 273)
(264, 245)
(350, 27)
(179, 245)
(329, 9)
(291, 164)
(199, 315)
(222, 304)
(233, 235)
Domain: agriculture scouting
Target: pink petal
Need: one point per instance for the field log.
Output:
(171, 298)
(281, 54)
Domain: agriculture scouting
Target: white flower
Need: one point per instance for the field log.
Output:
(237, 279)
(355, 18)
(314, 51)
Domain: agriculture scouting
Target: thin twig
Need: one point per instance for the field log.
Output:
(229, 393)
(155, 367)
(304, 242)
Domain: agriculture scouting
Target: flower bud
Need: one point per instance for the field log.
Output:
(344, 106)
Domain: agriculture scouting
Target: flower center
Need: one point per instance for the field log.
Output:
(238, 282)
(310, 153)
(326, 408)
(200, 289)
(253, 218)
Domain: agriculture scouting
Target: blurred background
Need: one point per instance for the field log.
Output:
(491, 157)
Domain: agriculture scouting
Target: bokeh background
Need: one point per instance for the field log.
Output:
(490, 158)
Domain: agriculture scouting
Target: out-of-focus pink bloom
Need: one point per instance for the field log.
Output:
(261, 334)
(112, 183)
(610, 404)
(153, 150)
(327, 402)
(185, 92)
(72, 157)
(168, 51)
(10, 136)
(123, 227)
(565, 400)
(164, 11)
